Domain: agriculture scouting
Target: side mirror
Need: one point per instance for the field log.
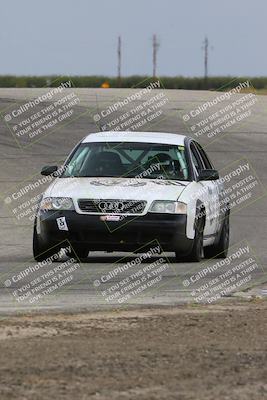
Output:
(49, 170)
(208, 175)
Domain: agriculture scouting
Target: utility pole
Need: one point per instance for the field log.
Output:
(155, 54)
(119, 61)
(206, 47)
(206, 57)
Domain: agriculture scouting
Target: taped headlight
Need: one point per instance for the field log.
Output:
(57, 203)
(168, 207)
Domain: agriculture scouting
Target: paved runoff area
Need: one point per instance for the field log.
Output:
(41, 126)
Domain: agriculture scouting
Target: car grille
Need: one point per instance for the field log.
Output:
(114, 206)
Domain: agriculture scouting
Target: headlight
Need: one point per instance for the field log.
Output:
(57, 203)
(169, 207)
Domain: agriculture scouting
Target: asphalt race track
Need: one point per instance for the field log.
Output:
(22, 159)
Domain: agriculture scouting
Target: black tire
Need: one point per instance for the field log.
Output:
(80, 253)
(220, 250)
(197, 252)
(42, 251)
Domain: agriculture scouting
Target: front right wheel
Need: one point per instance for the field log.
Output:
(42, 251)
(220, 250)
(79, 253)
(197, 252)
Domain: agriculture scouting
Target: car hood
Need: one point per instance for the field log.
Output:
(116, 188)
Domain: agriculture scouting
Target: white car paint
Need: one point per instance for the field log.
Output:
(144, 189)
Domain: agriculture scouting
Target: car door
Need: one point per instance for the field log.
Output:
(218, 186)
(208, 190)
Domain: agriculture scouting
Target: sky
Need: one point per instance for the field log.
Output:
(79, 37)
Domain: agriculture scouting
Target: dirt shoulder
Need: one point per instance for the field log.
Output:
(204, 352)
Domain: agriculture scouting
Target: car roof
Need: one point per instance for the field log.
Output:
(145, 137)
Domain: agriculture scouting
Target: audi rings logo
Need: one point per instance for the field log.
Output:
(115, 206)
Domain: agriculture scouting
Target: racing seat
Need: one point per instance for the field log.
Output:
(168, 166)
(106, 163)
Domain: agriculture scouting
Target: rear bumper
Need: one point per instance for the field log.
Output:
(128, 234)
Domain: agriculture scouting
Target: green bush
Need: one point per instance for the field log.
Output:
(177, 82)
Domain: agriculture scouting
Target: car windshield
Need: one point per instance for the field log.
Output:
(128, 160)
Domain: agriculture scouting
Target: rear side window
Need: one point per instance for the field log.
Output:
(204, 157)
(197, 161)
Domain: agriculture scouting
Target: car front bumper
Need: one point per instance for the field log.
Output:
(129, 234)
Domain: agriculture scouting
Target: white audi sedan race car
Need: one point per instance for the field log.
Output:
(121, 191)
